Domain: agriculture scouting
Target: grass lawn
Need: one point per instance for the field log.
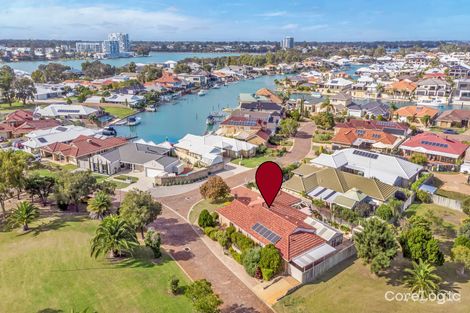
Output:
(452, 217)
(50, 269)
(452, 194)
(119, 112)
(45, 172)
(16, 106)
(252, 162)
(205, 204)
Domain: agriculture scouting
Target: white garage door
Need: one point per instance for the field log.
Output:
(151, 172)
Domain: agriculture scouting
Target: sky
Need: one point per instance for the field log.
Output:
(245, 20)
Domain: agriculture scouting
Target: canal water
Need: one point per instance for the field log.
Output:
(154, 57)
(188, 114)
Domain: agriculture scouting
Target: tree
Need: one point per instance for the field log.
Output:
(376, 244)
(13, 165)
(214, 189)
(73, 187)
(107, 187)
(288, 127)
(466, 206)
(24, 214)
(205, 219)
(423, 196)
(153, 241)
(324, 120)
(250, 260)
(421, 278)
(38, 76)
(140, 209)
(99, 206)
(114, 235)
(418, 242)
(464, 230)
(24, 89)
(418, 158)
(202, 296)
(425, 120)
(384, 212)
(327, 105)
(461, 254)
(7, 77)
(182, 68)
(42, 186)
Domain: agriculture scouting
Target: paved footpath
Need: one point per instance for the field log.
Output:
(187, 248)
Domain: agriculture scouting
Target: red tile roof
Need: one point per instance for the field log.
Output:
(372, 124)
(287, 222)
(19, 116)
(270, 94)
(85, 145)
(348, 136)
(418, 111)
(167, 78)
(445, 145)
(30, 126)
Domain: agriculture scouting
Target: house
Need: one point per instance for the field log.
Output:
(130, 100)
(338, 85)
(462, 92)
(154, 160)
(402, 89)
(269, 107)
(454, 118)
(65, 111)
(465, 167)
(272, 96)
(327, 183)
(364, 138)
(32, 125)
(415, 114)
(386, 168)
(460, 70)
(44, 137)
(438, 150)
(81, 148)
(292, 232)
(432, 88)
(169, 80)
(21, 122)
(48, 91)
(394, 128)
(193, 78)
(252, 98)
(251, 130)
(375, 109)
(340, 101)
(272, 119)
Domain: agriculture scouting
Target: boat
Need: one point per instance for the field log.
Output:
(316, 95)
(109, 131)
(434, 102)
(133, 121)
(210, 120)
(202, 92)
(151, 108)
(216, 86)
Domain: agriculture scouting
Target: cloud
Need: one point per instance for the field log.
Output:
(273, 14)
(290, 26)
(314, 27)
(95, 21)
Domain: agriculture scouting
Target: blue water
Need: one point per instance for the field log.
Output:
(188, 114)
(173, 121)
(154, 57)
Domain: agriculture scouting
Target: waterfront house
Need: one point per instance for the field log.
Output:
(252, 97)
(152, 159)
(386, 168)
(328, 183)
(338, 85)
(43, 137)
(462, 92)
(81, 148)
(65, 111)
(402, 89)
(460, 70)
(269, 94)
(194, 78)
(340, 101)
(414, 114)
(454, 118)
(438, 150)
(170, 81)
(298, 237)
(432, 88)
(364, 138)
(373, 109)
(270, 107)
(250, 128)
(48, 91)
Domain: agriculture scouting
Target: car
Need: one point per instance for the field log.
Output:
(450, 132)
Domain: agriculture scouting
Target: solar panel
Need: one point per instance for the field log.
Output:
(434, 144)
(360, 132)
(366, 154)
(42, 140)
(61, 129)
(68, 111)
(266, 233)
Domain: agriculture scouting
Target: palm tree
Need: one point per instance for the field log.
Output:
(113, 235)
(422, 278)
(327, 105)
(99, 205)
(24, 214)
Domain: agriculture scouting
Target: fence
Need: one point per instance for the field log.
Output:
(446, 202)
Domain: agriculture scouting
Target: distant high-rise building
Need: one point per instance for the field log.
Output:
(287, 43)
(111, 48)
(123, 39)
(88, 47)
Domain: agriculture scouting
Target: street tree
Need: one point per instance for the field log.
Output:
(214, 189)
(24, 89)
(7, 77)
(288, 127)
(202, 296)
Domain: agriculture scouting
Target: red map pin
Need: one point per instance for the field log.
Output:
(269, 180)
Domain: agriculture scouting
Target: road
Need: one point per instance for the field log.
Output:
(185, 245)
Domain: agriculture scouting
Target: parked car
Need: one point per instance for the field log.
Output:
(450, 132)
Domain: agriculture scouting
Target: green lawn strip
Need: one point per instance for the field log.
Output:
(52, 268)
(132, 179)
(209, 206)
(119, 112)
(253, 162)
(452, 194)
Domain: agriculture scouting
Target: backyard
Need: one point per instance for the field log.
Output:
(119, 112)
(49, 269)
(350, 287)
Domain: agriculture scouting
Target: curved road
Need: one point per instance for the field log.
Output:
(187, 248)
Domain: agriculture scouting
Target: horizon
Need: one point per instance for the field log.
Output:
(184, 20)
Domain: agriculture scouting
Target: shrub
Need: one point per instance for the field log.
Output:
(250, 260)
(235, 255)
(208, 230)
(241, 241)
(215, 216)
(223, 239)
(267, 273)
(230, 230)
(415, 186)
(423, 196)
(205, 219)
(153, 241)
(384, 212)
(466, 206)
(174, 285)
(215, 235)
(462, 241)
(270, 258)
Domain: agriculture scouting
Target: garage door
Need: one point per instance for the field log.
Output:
(151, 172)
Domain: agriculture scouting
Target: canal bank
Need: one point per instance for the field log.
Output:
(188, 114)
